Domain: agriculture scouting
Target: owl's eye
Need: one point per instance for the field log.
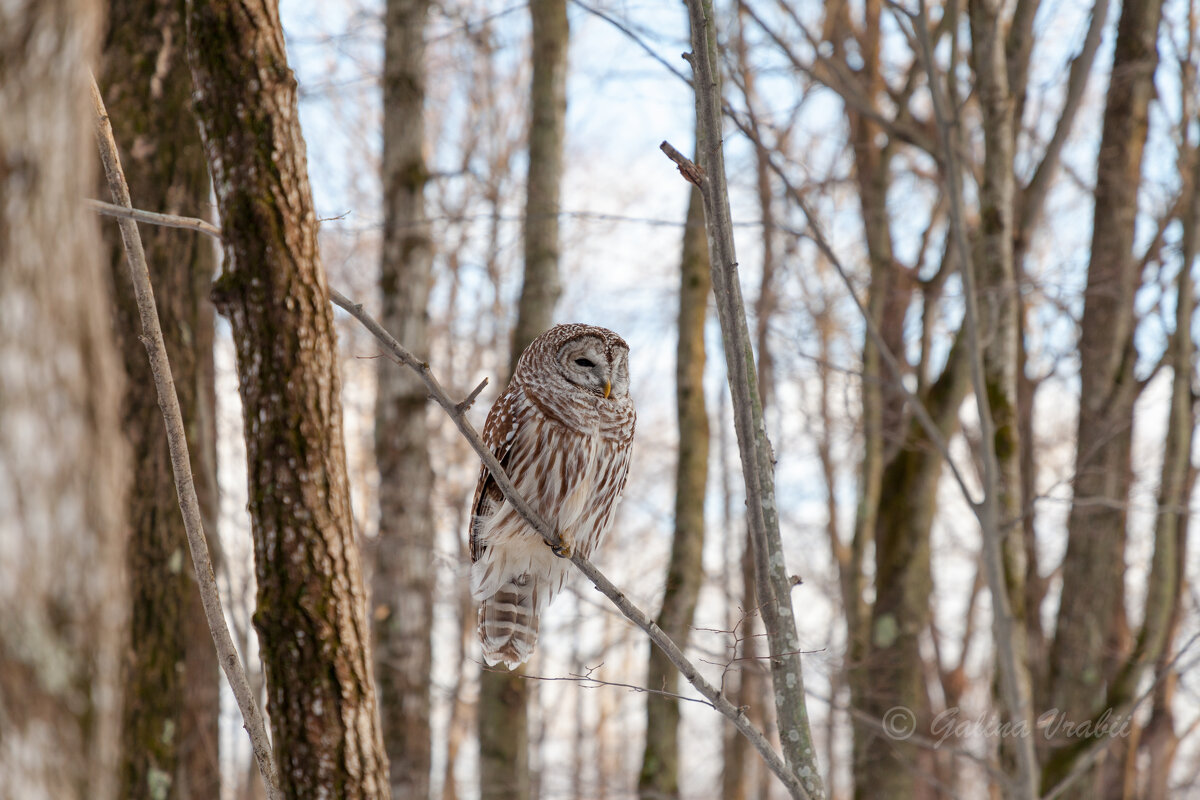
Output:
(583, 362)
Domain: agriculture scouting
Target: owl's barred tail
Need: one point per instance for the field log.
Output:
(508, 623)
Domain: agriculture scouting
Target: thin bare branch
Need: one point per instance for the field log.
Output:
(154, 218)
(587, 681)
(156, 349)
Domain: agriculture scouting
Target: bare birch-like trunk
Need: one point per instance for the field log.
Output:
(63, 461)
(311, 612)
(402, 582)
(172, 700)
(659, 777)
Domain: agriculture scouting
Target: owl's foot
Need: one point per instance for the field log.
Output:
(563, 548)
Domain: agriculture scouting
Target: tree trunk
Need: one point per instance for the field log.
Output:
(63, 461)
(1082, 657)
(659, 776)
(311, 615)
(892, 672)
(998, 341)
(547, 130)
(503, 735)
(169, 738)
(402, 583)
(889, 292)
(503, 699)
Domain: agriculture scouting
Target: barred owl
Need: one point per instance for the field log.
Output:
(562, 431)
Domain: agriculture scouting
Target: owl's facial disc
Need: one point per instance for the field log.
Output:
(584, 363)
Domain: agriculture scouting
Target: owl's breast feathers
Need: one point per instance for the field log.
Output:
(558, 457)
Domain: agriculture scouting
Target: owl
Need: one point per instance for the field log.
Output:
(562, 430)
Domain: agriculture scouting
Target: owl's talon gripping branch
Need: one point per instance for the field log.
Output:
(562, 549)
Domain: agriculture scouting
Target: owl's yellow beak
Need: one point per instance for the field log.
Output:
(607, 389)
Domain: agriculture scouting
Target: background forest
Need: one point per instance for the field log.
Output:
(966, 234)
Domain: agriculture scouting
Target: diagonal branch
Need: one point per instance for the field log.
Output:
(1013, 677)
(153, 218)
(180, 461)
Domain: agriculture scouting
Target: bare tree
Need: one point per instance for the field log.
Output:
(402, 582)
(172, 703)
(63, 461)
(311, 615)
(659, 776)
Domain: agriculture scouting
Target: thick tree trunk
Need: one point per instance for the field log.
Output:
(659, 776)
(402, 583)
(63, 461)
(169, 739)
(311, 615)
(1083, 657)
(503, 699)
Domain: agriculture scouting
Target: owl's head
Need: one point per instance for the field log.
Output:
(592, 359)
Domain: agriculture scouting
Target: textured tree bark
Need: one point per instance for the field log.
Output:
(402, 582)
(503, 698)
(311, 615)
(1082, 655)
(169, 738)
(659, 777)
(63, 461)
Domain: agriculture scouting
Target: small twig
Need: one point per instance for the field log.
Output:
(469, 400)
(177, 442)
(154, 218)
(687, 168)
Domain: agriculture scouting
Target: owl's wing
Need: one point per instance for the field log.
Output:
(499, 436)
